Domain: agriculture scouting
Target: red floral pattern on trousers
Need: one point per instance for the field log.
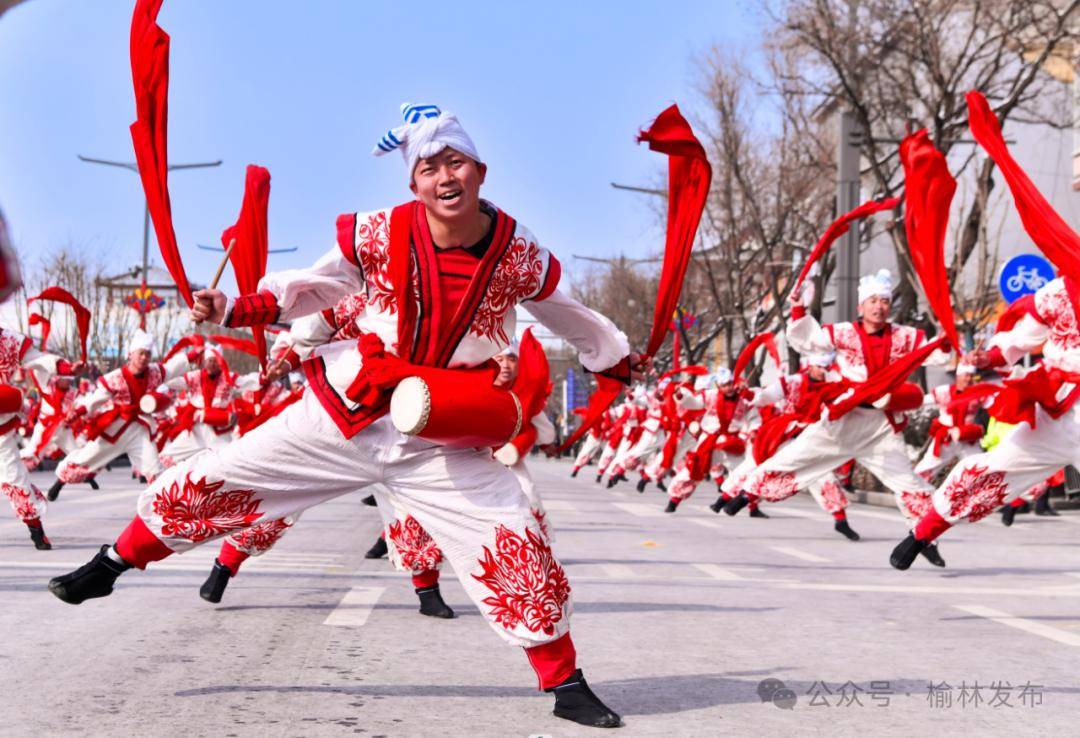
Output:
(833, 497)
(917, 504)
(541, 520)
(775, 486)
(516, 277)
(72, 473)
(1054, 306)
(416, 549)
(260, 538)
(975, 492)
(529, 586)
(25, 502)
(197, 510)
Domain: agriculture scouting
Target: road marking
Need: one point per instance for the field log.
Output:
(1067, 518)
(799, 554)
(1028, 626)
(717, 572)
(705, 522)
(355, 607)
(559, 506)
(618, 571)
(640, 510)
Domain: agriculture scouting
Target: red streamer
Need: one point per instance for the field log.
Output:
(46, 328)
(150, 75)
(747, 354)
(928, 193)
(82, 314)
(252, 242)
(884, 381)
(242, 345)
(839, 227)
(689, 176)
(195, 339)
(1047, 229)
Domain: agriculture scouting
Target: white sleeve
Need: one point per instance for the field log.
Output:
(769, 395)
(175, 366)
(599, 343)
(545, 431)
(806, 336)
(301, 292)
(688, 400)
(42, 364)
(310, 332)
(1026, 336)
(93, 400)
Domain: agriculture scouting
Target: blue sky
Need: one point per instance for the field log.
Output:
(552, 92)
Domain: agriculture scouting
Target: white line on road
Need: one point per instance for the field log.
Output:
(618, 571)
(1028, 626)
(560, 506)
(705, 522)
(799, 554)
(355, 607)
(717, 572)
(640, 510)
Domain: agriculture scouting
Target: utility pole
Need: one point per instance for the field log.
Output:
(133, 167)
(847, 197)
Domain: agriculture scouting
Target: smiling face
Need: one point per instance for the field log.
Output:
(449, 185)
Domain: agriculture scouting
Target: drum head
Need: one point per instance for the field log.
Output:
(148, 403)
(410, 405)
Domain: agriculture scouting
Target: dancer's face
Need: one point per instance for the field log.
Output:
(875, 310)
(449, 186)
(211, 365)
(817, 373)
(138, 360)
(508, 368)
(963, 380)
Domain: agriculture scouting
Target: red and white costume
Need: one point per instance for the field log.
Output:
(870, 435)
(117, 424)
(593, 444)
(53, 434)
(954, 434)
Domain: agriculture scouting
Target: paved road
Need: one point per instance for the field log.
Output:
(678, 619)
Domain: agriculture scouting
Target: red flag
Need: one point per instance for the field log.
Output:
(82, 314)
(150, 75)
(689, 176)
(1047, 229)
(242, 345)
(195, 339)
(747, 354)
(928, 193)
(46, 328)
(839, 227)
(252, 242)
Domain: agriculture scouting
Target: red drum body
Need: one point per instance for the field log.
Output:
(153, 402)
(456, 408)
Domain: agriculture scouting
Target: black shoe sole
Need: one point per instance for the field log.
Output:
(61, 593)
(610, 720)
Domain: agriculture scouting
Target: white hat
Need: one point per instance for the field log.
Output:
(425, 132)
(141, 340)
(723, 375)
(965, 368)
(512, 349)
(876, 285)
(823, 359)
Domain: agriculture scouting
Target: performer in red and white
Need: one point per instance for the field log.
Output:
(439, 278)
(682, 412)
(593, 445)
(119, 411)
(721, 445)
(17, 354)
(53, 435)
(796, 402)
(954, 433)
(870, 435)
(634, 429)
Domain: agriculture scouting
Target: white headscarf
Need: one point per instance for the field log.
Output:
(141, 340)
(876, 285)
(723, 375)
(823, 359)
(425, 132)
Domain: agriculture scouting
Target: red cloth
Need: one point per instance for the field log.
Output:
(884, 381)
(426, 579)
(456, 268)
(928, 193)
(231, 557)
(838, 228)
(931, 526)
(236, 344)
(82, 314)
(249, 255)
(1047, 229)
(46, 328)
(1016, 401)
(149, 132)
(689, 176)
(747, 354)
(553, 662)
(138, 546)
(1023, 306)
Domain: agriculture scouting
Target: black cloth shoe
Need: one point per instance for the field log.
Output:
(842, 527)
(1042, 506)
(905, 552)
(599, 477)
(757, 513)
(642, 484)
(576, 702)
(1008, 512)
(573, 473)
(431, 603)
(612, 482)
(54, 491)
(671, 506)
(93, 484)
(717, 506)
(377, 551)
(142, 479)
(661, 485)
(214, 586)
(369, 501)
(93, 579)
(736, 503)
(930, 553)
(37, 535)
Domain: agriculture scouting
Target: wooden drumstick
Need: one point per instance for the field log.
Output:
(221, 266)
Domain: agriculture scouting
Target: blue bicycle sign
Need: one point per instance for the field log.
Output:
(1024, 274)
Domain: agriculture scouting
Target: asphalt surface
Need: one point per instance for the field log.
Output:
(680, 621)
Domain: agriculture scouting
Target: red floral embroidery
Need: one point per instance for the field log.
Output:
(416, 549)
(917, 504)
(775, 486)
(24, 502)
(72, 473)
(201, 510)
(11, 350)
(346, 312)
(516, 277)
(832, 497)
(1054, 306)
(373, 252)
(681, 488)
(260, 538)
(975, 492)
(529, 586)
(541, 520)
